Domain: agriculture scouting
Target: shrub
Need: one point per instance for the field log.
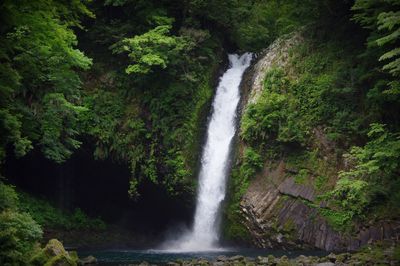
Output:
(372, 181)
(18, 234)
(8, 197)
(49, 216)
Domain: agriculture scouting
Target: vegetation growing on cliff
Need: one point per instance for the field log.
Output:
(133, 80)
(339, 89)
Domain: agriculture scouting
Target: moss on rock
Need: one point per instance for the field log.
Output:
(54, 254)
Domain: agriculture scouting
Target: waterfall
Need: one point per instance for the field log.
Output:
(212, 177)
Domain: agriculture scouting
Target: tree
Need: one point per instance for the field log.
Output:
(382, 19)
(38, 61)
(155, 48)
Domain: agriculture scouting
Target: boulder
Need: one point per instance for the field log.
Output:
(202, 262)
(332, 257)
(88, 260)
(54, 254)
(304, 260)
(262, 260)
(343, 257)
(236, 258)
(54, 248)
(222, 258)
(271, 260)
(283, 261)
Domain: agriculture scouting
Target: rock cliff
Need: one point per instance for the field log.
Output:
(279, 212)
(276, 214)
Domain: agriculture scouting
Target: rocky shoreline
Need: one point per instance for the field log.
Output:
(387, 254)
(380, 253)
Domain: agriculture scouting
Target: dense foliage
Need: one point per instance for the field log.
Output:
(39, 84)
(49, 217)
(149, 113)
(19, 232)
(22, 218)
(134, 81)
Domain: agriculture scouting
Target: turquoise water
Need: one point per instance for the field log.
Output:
(116, 257)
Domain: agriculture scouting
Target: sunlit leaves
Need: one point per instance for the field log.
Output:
(155, 48)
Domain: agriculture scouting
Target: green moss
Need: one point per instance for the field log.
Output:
(396, 253)
(251, 164)
(284, 261)
(313, 169)
(39, 258)
(74, 255)
(320, 182)
(339, 220)
(54, 254)
(341, 257)
(289, 230)
(54, 247)
(289, 226)
(370, 254)
(234, 230)
(301, 176)
(241, 176)
(61, 260)
(271, 258)
(233, 227)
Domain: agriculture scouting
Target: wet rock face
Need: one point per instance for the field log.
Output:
(289, 187)
(276, 215)
(276, 212)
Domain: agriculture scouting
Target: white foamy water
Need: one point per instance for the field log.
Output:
(204, 235)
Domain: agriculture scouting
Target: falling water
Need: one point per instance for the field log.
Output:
(221, 129)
